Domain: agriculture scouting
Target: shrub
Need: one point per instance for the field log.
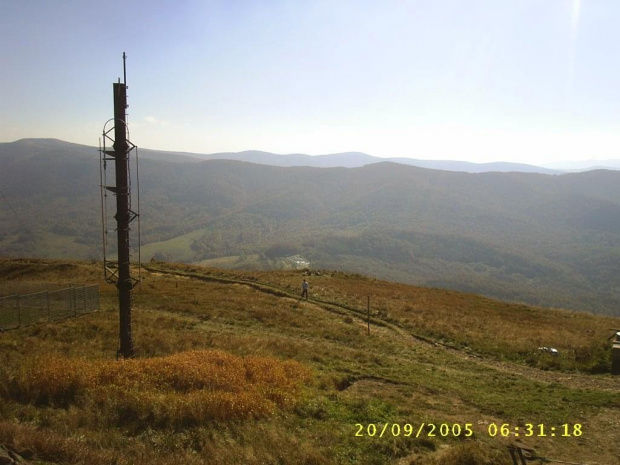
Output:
(179, 390)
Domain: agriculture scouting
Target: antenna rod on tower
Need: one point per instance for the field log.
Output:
(124, 70)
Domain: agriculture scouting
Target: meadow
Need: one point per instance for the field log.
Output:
(233, 368)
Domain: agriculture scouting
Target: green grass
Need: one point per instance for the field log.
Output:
(50, 245)
(177, 247)
(386, 378)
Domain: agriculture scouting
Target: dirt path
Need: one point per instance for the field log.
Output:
(572, 380)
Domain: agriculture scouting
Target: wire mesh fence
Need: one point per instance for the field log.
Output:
(51, 305)
(13, 287)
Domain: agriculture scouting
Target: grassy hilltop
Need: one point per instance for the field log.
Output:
(233, 368)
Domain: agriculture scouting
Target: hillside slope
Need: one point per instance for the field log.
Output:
(433, 357)
(549, 240)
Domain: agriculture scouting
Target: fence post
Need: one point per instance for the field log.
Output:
(97, 298)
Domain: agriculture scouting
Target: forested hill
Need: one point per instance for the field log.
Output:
(550, 240)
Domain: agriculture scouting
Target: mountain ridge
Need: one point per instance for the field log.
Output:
(350, 160)
(336, 160)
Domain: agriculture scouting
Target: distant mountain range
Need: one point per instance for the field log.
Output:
(337, 160)
(349, 160)
(584, 165)
(546, 239)
(358, 159)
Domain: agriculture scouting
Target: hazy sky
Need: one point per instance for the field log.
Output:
(527, 81)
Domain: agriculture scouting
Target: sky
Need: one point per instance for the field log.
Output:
(526, 81)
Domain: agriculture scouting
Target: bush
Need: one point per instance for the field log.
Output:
(179, 390)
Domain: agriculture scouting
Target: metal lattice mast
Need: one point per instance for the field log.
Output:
(119, 272)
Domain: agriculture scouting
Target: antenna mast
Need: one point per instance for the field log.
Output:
(124, 69)
(119, 272)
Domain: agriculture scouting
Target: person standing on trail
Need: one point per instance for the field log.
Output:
(304, 289)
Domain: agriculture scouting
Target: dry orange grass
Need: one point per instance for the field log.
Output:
(487, 326)
(178, 390)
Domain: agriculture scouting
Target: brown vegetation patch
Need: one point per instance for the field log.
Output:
(178, 390)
